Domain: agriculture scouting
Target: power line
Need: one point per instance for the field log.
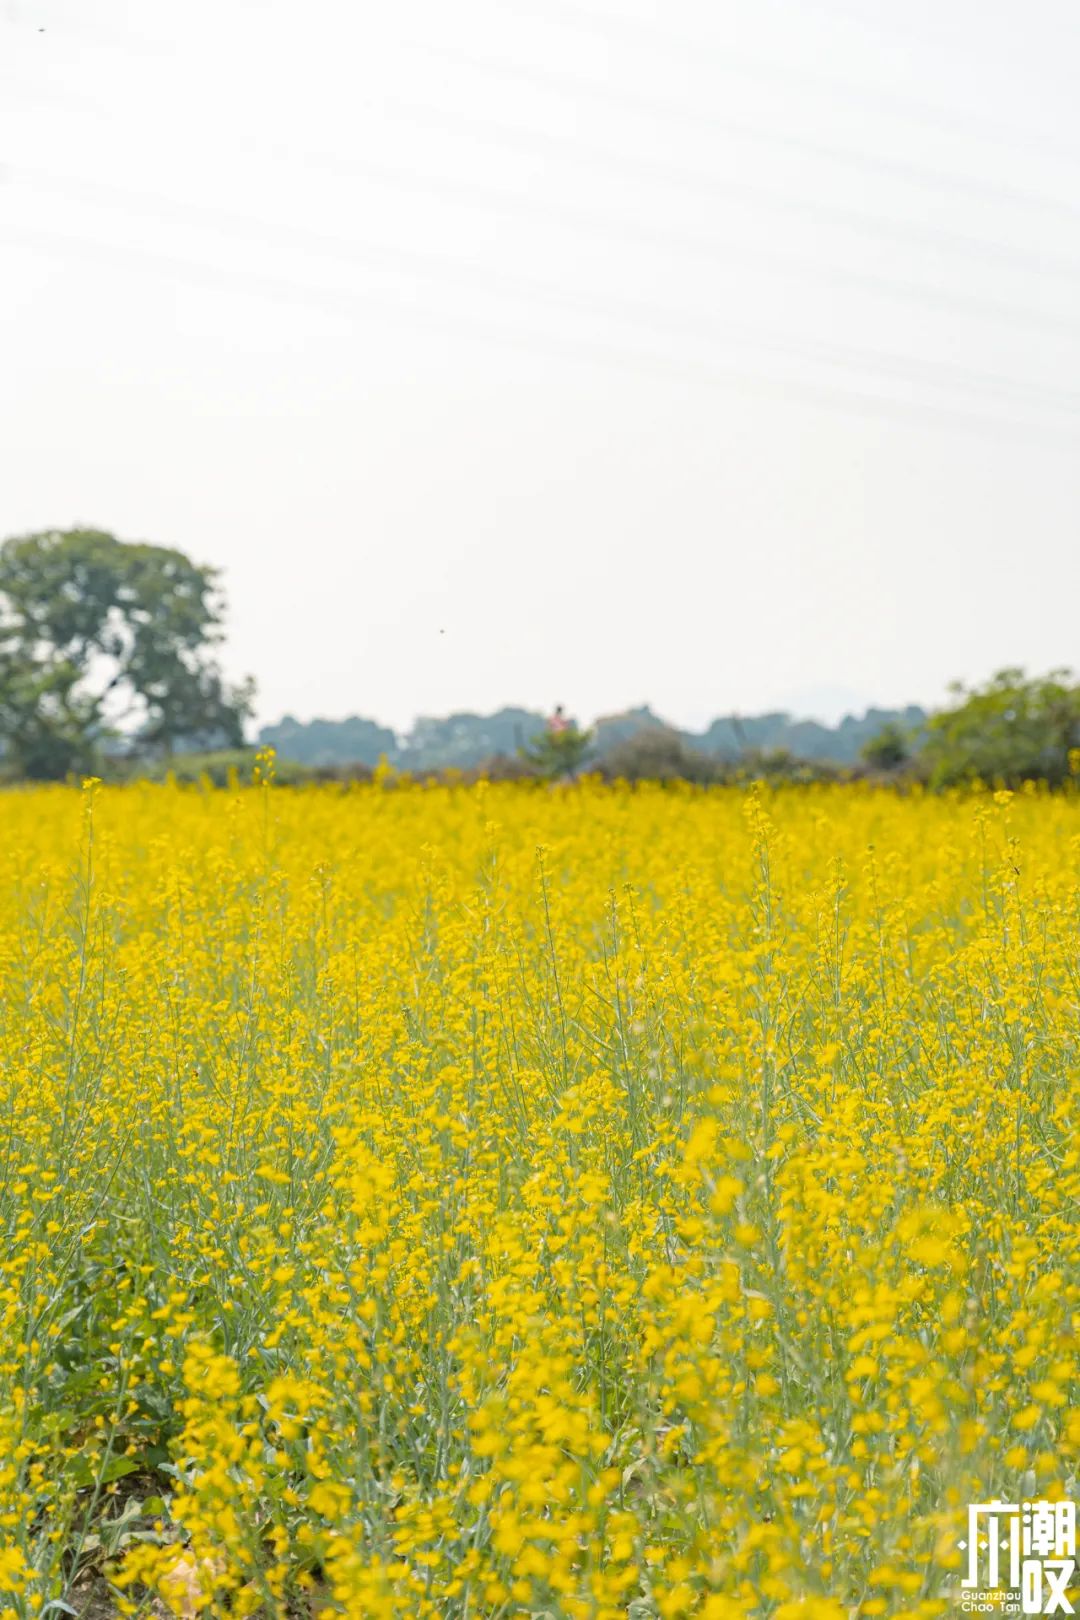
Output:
(442, 269)
(734, 62)
(708, 246)
(784, 203)
(896, 169)
(651, 170)
(727, 250)
(546, 345)
(737, 64)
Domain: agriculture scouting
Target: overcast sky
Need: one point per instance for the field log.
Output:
(719, 355)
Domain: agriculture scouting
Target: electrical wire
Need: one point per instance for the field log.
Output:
(546, 345)
(443, 269)
(896, 169)
(650, 170)
(735, 63)
(708, 246)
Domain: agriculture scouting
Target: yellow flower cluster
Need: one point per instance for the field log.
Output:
(497, 1201)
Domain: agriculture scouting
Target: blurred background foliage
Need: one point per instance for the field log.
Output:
(109, 666)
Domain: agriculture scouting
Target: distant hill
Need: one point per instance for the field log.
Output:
(330, 742)
(732, 735)
(467, 739)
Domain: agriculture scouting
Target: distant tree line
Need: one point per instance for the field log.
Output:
(109, 664)
(1015, 728)
(465, 740)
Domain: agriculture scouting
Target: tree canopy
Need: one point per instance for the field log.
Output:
(105, 643)
(1015, 728)
(556, 754)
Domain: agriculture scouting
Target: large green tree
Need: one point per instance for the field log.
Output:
(101, 640)
(1016, 728)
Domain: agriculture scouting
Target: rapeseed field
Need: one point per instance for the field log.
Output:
(498, 1201)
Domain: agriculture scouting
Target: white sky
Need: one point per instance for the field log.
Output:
(720, 355)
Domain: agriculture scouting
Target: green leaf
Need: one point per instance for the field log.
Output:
(117, 1467)
(59, 1422)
